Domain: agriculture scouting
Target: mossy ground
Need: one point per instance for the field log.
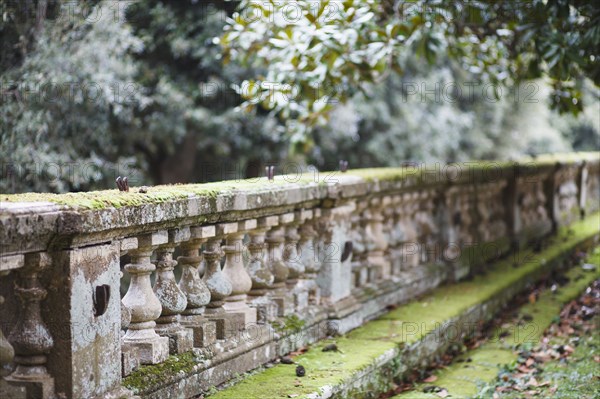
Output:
(163, 193)
(362, 347)
(464, 379)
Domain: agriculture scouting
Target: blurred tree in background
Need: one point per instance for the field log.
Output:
(95, 89)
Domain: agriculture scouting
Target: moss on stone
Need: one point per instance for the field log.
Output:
(289, 324)
(377, 342)
(163, 193)
(155, 375)
(464, 378)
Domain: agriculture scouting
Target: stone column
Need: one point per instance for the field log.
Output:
(275, 262)
(218, 285)
(261, 275)
(195, 289)
(236, 273)
(335, 275)
(143, 303)
(172, 299)
(308, 255)
(30, 336)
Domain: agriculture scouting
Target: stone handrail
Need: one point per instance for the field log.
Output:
(205, 266)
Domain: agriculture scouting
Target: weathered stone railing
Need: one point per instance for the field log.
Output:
(219, 276)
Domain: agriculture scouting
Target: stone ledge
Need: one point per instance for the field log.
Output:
(381, 350)
(38, 221)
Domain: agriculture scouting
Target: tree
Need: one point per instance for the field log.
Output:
(319, 51)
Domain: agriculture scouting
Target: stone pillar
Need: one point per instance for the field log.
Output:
(236, 273)
(195, 289)
(142, 302)
(308, 255)
(335, 276)
(173, 301)
(261, 275)
(275, 262)
(30, 336)
(218, 285)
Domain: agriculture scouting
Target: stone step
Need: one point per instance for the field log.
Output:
(464, 379)
(411, 336)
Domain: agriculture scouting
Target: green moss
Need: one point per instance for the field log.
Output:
(290, 324)
(465, 378)
(159, 194)
(365, 346)
(154, 375)
(322, 368)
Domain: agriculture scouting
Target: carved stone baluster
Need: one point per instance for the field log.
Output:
(395, 236)
(172, 299)
(308, 255)
(408, 237)
(293, 261)
(275, 262)
(30, 336)
(143, 304)
(379, 268)
(360, 270)
(218, 285)
(236, 273)
(195, 289)
(261, 275)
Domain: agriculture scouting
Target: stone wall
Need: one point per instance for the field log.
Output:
(221, 278)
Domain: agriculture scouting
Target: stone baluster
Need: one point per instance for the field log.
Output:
(290, 251)
(395, 236)
(217, 283)
(278, 292)
(171, 297)
(411, 247)
(260, 273)
(426, 219)
(379, 268)
(143, 303)
(308, 254)
(195, 289)
(30, 336)
(360, 270)
(236, 273)
(294, 262)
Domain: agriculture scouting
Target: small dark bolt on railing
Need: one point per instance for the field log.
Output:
(100, 288)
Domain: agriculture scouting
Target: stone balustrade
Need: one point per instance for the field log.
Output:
(99, 289)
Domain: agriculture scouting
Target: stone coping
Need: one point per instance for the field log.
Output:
(39, 221)
(411, 335)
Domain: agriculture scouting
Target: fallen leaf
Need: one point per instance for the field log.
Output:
(431, 378)
(443, 393)
(532, 297)
(533, 382)
(529, 362)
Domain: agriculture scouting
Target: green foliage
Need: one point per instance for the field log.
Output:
(63, 109)
(95, 89)
(320, 50)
